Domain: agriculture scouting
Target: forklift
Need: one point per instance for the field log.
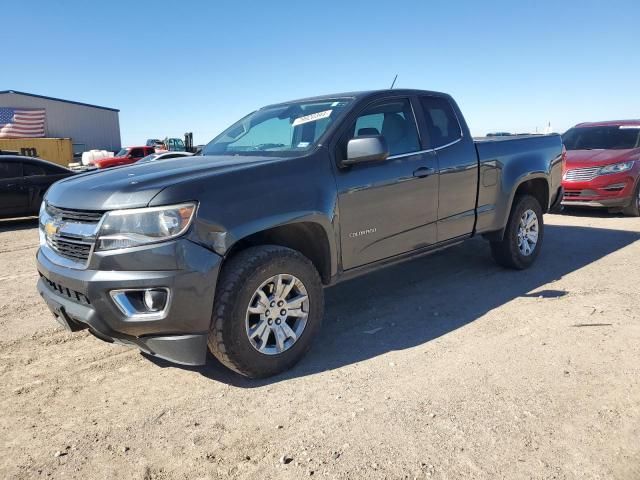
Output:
(178, 145)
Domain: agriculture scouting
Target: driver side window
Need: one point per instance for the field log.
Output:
(394, 120)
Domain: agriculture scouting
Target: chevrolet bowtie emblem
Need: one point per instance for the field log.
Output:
(51, 228)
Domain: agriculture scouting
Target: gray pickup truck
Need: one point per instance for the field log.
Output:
(229, 251)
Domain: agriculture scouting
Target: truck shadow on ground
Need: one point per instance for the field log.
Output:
(415, 302)
(15, 224)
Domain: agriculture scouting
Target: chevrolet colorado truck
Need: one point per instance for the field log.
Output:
(230, 251)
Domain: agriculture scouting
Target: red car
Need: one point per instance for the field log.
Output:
(602, 166)
(126, 156)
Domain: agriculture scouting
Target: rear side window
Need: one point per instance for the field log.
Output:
(31, 170)
(10, 169)
(441, 120)
(53, 170)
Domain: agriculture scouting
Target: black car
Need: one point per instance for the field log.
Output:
(23, 183)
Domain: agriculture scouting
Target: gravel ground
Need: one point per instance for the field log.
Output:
(445, 367)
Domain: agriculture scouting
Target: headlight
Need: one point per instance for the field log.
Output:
(41, 221)
(616, 168)
(140, 226)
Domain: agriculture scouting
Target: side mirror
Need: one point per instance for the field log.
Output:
(370, 148)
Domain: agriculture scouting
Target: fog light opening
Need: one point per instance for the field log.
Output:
(155, 300)
(615, 187)
(142, 304)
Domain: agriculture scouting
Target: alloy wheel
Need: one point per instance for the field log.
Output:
(528, 230)
(277, 314)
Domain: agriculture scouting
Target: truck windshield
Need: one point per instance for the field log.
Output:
(122, 153)
(286, 129)
(602, 138)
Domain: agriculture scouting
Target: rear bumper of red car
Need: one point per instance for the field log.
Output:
(614, 190)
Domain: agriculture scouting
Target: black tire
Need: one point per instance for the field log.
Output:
(506, 251)
(241, 276)
(633, 209)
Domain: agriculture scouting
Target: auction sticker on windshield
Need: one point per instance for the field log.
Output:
(312, 117)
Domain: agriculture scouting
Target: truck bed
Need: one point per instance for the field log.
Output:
(502, 161)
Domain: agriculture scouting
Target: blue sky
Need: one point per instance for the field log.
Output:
(173, 67)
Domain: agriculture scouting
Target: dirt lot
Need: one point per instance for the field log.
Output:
(445, 367)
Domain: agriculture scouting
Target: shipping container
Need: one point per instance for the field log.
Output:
(56, 150)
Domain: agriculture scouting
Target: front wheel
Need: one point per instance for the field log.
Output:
(523, 235)
(633, 209)
(268, 309)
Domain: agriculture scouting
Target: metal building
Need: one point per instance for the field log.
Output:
(89, 126)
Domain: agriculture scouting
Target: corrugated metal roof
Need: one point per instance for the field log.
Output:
(58, 100)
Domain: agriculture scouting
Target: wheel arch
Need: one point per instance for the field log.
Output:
(309, 238)
(536, 185)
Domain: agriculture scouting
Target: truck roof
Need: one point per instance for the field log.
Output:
(359, 95)
(610, 123)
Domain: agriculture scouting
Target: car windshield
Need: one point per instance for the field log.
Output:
(286, 129)
(122, 153)
(602, 138)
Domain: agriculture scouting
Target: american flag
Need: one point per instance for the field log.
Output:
(22, 122)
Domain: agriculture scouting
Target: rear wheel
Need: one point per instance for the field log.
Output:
(268, 308)
(523, 235)
(633, 209)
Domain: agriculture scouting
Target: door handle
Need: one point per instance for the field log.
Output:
(423, 172)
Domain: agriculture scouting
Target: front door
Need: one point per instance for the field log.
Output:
(13, 197)
(387, 208)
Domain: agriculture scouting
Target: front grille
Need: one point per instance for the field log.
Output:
(73, 248)
(580, 193)
(69, 293)
(582, 174)
(85, 216)
(75, 236)
(572, 193)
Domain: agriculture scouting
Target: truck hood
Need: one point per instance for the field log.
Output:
(598, 158)
(135, 185)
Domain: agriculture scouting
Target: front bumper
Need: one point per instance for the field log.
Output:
(81, 299)
(614, 190)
